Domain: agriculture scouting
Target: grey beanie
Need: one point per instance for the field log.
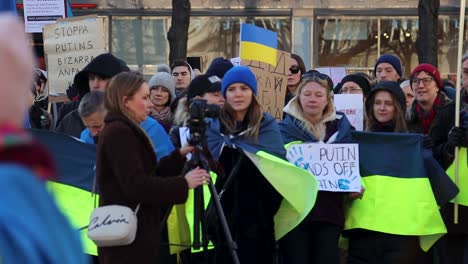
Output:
(163, 79)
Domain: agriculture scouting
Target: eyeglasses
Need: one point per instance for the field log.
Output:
(294, 69)
(426, 81)
(351, 90)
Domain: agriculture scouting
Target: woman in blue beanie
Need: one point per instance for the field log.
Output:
(249, 200)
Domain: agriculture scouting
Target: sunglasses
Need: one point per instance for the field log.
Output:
(316, 74)
(294, 69)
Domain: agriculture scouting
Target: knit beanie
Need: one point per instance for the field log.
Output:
(203, 84)
(391, 87)
(431, 70)
(163, 79)
(239, 74)
(219, 67)
(392, 60)
(163, 68)
(362, 81)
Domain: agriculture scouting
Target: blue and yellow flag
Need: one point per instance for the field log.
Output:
(258, 44)
(71, 189)
(404, 188)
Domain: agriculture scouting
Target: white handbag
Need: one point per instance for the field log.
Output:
(112, 225)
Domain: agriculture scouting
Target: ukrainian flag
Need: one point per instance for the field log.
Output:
(258, 44)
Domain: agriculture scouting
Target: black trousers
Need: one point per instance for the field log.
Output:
(453, 249)
(369, 247)
(311, 243)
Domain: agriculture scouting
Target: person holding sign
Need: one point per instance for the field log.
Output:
(311, 117)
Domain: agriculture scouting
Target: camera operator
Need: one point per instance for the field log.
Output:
(202, 87)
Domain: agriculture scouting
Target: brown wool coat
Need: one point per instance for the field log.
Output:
(127, 174)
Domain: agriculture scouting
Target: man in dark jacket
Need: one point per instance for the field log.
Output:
(93, 77)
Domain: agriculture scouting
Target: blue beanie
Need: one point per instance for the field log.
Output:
(239, 74)
(219, 67)
(392, 60)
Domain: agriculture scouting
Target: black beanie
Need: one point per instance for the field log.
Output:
(219, 67)
(203, 84)
(362, 81)
(105, 65)
(391, 87)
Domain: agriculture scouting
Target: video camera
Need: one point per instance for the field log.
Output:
(198, 110)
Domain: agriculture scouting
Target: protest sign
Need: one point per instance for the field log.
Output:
(38, 13)
(335, 73)
(69, 45)
(335, 166)
(272, 82)
(352, 105)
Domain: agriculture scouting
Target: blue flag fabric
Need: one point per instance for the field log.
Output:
(269, 141)
(400, 158)
(7, 6)
(69, 9)
(75, 160)
(32, 228)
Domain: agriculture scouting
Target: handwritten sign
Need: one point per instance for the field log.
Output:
(69, 45)
(336, 166)
(352, 105)
(272, 82)
(336, 73)
(38, 13)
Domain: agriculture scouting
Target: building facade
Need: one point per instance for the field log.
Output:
(349, 33)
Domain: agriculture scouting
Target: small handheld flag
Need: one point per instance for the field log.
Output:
(258, 44)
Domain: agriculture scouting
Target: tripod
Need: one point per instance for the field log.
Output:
(199, 213)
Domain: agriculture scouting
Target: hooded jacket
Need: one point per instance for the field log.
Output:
(105, 65)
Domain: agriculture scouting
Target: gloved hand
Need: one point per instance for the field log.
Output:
(427, 142)
(456, 137)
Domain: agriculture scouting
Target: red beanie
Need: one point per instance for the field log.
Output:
(431, 70)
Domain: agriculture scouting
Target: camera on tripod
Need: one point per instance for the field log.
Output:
(198, 110)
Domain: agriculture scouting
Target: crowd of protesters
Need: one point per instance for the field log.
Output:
(137, 124)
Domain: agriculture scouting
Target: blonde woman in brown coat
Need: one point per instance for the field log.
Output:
(128, 174)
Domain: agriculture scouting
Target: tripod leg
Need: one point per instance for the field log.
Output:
(222, 218)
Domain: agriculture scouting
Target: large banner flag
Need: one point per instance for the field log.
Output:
(404, 187)
(72, 188)
(258, 44)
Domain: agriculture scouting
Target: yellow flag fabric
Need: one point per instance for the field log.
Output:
(76, 204)
(400, 206)
(297, 186)
(181, 220)
(462, 177)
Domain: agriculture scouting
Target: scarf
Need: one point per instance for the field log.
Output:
(427, 118)
(164, 115)
(19, 147)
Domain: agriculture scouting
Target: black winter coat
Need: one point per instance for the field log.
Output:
(439, 129)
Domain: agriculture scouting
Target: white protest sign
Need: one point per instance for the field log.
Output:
(38, 13)
(352, 105)
(335, 166)
(236, 61)
(184, 135)
(335, 73)
(69, 45)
